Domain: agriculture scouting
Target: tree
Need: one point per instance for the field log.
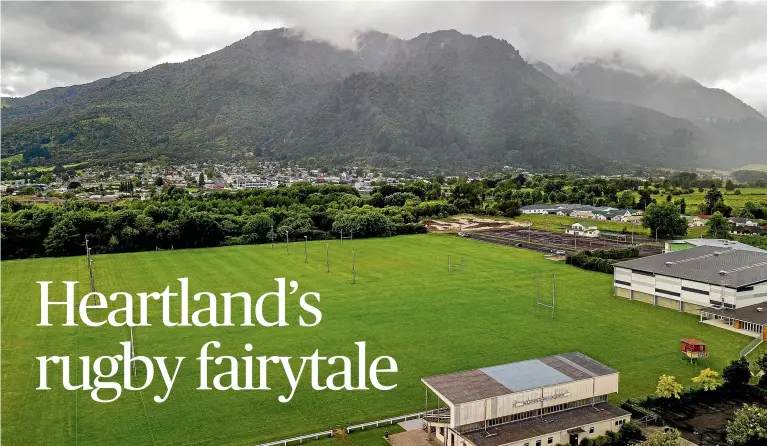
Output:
(730, 186)
(718, 226)
(74, 185)
(630, 433)
(737, 373)
(712, 196)
(668, 387)
(682, 205)
(159, 181)
(670, 437)
(201, 181)
(665, 219)
(626, 200)
(645, 198)
(510, 208)
(708, 380)
(749, 428)
(754, 210)
(719, 206)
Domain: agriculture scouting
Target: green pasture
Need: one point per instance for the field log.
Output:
(404, 305)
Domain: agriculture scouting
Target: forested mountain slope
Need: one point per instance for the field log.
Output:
(442, 100)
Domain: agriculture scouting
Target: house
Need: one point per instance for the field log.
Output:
(726, 285)
(748, 230)
(539, 208)
(558, 399)
(583, 229)
(695, 221)
(583, 212)
(740, 221)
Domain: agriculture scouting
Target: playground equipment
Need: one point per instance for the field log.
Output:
(693, 349)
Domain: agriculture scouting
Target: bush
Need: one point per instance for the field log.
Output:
(615, 253)
(737, 373)
(589, 262)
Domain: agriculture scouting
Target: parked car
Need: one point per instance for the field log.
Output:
(464, 234)
(560, 252)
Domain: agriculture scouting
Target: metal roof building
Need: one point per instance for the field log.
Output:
(555, 399)
(712, 281)
(678, 245)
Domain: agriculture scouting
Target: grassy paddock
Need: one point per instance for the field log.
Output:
(752, 194)
(404, 305)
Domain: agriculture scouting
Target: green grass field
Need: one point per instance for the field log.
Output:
(404, 305)
(752, 194)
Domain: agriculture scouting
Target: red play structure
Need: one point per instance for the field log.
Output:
(693, 349)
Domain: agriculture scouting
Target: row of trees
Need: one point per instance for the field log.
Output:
(174, 218)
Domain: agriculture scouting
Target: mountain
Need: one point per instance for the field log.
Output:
(442, 100)
(14, 108)
(735, 132)
(670, 93)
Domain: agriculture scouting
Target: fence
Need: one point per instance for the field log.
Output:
(378, 423)
(750, 347)
(348, 429)
(300, 439)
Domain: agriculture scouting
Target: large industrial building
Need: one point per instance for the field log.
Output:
(721, 283)
(547, 401)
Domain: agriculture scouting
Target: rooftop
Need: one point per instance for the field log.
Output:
(548, 424)
(722, 243)
(729, 267)
(490, 382)
(756, 313)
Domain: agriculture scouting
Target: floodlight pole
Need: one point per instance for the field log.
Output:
(327, 258)
(306, 253)
(272, 234)
(354, 269)
(132, 350)
(287, 250)
(90, 267)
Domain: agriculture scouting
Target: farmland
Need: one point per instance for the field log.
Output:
(404, 305)
(752, 194)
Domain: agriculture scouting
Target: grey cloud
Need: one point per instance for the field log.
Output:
(77, 42)
(688, 15)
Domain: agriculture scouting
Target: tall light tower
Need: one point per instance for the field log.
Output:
(287, 250)
(354, 269)
(306, 253)
(327, 258)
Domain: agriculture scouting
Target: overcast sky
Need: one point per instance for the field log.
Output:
(721, 44)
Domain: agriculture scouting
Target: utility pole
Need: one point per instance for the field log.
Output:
(90, 267)
(306, 253)
(287, 250)
(327, 258)
(354, 269)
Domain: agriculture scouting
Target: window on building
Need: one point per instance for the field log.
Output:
(551, 440)
(591, 430)
(538, 443)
